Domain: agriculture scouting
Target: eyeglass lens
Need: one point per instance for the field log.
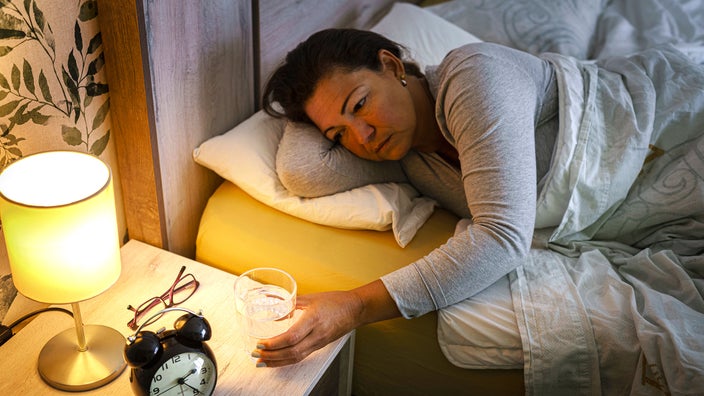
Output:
(181, 290)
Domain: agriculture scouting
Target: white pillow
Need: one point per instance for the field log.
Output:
(427, 36)
(246, 155)
(534, 26)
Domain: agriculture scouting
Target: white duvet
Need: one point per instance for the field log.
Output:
(613, 301)
(616, 305)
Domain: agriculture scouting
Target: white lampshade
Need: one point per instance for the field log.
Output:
(58, 217)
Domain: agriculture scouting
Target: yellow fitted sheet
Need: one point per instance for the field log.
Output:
(395, 357)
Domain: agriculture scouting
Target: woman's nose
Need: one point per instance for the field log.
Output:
(363, 132)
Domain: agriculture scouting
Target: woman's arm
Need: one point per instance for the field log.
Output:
(496, 148)
(486, 106)
(325, 317)
(309, 165)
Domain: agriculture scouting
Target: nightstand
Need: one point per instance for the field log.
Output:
(148, 271)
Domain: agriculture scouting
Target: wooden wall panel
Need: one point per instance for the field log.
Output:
(130, 122)
(196, 58)
(200, 61)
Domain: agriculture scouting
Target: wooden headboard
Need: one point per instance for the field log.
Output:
(183, 71)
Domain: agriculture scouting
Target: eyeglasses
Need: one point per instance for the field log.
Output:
(181, 290)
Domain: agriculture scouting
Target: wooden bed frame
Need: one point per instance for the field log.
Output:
(181, 72)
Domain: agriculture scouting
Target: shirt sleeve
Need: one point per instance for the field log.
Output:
(486, 107)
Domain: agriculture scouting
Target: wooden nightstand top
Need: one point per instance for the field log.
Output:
(146, 272)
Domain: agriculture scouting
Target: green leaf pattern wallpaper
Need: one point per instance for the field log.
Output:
(50, 78)
(53, 89)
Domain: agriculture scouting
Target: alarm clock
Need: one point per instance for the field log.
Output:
(172, 362)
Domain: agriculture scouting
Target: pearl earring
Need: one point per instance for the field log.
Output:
(403, 80)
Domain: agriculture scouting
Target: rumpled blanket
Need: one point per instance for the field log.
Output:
(613, 301)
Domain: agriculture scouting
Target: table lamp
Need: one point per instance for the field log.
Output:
(58, 216)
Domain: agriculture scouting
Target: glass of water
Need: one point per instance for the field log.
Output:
(266, 300)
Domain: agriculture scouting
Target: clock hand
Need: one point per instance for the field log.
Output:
(169, 388)
(195, 389)
(182, 381)
(191, 371)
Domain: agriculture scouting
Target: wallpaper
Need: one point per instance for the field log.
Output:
(53, 89)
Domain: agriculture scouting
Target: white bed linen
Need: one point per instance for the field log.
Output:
(637, 299)
(628, 26)
(535, 26)
(613, 302)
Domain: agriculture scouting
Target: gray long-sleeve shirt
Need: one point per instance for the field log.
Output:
(498, 108)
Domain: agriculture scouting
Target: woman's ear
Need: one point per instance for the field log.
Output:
(391, 63)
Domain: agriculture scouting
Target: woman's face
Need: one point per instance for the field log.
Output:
(370, 113)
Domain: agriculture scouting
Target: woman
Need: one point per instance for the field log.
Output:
(465, 133)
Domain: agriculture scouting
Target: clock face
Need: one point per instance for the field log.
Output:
(189, 373)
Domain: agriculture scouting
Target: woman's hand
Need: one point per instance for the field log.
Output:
(323, 318)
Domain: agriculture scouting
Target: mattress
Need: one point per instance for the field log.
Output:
(397, 356)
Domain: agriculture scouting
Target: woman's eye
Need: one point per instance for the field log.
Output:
(337, 137)
(359, 104)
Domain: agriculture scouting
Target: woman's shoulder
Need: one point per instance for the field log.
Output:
(478, 48)
(484, 52)
(477, 63)
(467, 60)
(489, 64)
(487, 80)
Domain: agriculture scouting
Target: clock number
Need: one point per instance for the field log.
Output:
(184, 374)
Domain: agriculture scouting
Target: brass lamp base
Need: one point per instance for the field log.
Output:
(64, 366)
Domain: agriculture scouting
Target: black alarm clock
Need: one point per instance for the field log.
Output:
(172, 362)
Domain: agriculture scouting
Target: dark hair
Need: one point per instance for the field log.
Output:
(293, 82)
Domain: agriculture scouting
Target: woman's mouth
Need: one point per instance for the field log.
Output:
(381, 145)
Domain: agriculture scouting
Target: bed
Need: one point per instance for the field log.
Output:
(610, 300)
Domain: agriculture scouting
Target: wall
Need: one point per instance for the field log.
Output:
(53, 90)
